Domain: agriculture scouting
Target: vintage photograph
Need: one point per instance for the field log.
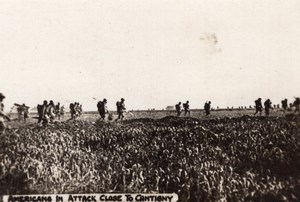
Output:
(197, 99)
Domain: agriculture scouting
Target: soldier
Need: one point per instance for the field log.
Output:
(120, 109)
(186, 107)
(51, 111)
(42, 111)
(26, 112)
(178, 108)
(284, 104)
(297, 105)
(72, 111)
(79, 109)
(62, 110)
(207, 108)
(2, 115)
(258, 106)
(102, 109)
(76, 104)
(57, 111)
(268, 106)
(20, 110)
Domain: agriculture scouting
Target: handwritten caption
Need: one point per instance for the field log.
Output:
(92, 198)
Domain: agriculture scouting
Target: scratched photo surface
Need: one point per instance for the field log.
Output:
(197, 98)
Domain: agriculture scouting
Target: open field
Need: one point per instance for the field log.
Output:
(228, 156)
(157, 114)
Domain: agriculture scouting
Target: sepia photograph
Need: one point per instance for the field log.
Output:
(139, 100)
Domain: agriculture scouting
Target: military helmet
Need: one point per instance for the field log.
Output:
(122, 99)
(104, 100)
(1, 95)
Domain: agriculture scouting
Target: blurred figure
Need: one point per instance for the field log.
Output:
(186, 107)
(268, 106)
(57, 111)
(42, 111)
(120, 109)
(20, 111)
(51, 111)
(76, 109)
(79, 109)
(23, 111)
(207, 108)
(284, 104)
(26, 112)
(72, 112)
(178, 108)
(258, 106)
(102, 109)
(2, 115)
(62, 110)
(297, 105)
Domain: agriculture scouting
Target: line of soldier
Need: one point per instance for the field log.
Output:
(23, 111)
(48, 112)
(75, 110)
(268, 106)
(186, 108)
(102, 109)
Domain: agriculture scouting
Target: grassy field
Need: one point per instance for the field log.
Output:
(230, 155)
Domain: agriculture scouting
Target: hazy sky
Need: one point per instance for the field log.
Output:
(153, 53)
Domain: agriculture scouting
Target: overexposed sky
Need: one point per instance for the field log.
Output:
(153, 53)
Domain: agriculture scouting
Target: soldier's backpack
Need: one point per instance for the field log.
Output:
(72, 106)
(206, 106)
(39, 109)
(118, 104)
(99, 105)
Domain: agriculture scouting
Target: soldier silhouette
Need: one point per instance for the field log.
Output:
(258, 106)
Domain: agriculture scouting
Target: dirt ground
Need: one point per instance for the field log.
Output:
(154, 114)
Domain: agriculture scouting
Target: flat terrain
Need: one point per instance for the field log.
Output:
(158, 114)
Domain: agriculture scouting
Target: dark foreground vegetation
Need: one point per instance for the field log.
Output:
(234, 159)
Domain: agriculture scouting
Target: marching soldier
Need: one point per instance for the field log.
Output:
(284, 104)
(26, 112)
(2, 115)
(297, 105)
(72, 111)
(57, 111)
(120, 109)
(102, 109)
(268, 106)
(186, 107)
(22, 112)
(178, 108)
(207, 108)
(62, 110)
(51, 111)
(258, 106)
(42, 112)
